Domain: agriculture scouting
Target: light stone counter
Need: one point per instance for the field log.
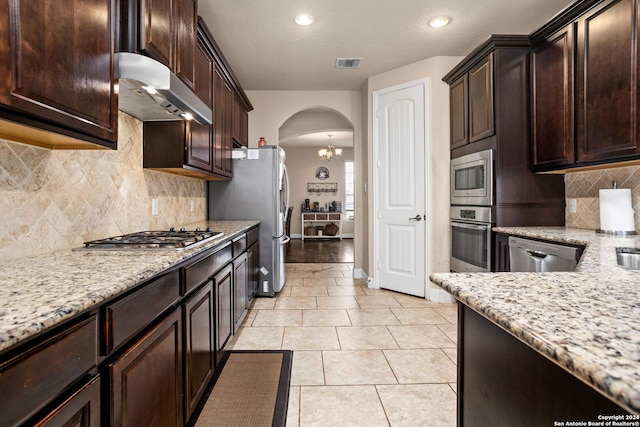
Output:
(587, 321)
(39, 292)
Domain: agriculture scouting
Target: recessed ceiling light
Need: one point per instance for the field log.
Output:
(304, 19)
(439, 21)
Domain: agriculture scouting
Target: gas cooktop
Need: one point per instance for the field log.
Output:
(173, 239)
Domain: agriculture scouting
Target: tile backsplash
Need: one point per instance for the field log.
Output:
(585, 186)
(57, 199)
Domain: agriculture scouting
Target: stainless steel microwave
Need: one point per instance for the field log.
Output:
(472, 179)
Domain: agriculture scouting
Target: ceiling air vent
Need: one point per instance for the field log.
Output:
(348, 62)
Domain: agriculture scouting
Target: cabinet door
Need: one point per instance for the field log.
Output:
(501, 253)
(82, 409)
(608, 81)
(199, 346)
(187, 19)
(481, 100)
(458, 111)
(244, 128)
(553, 134)
(157, 30)
(219, 123)
(224, 326)
(240, 292)
(199, 151)
(58, 63)
(146, 381)
(227, 142)
(253, 266)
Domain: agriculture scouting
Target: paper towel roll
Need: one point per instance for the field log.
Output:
(616, 213)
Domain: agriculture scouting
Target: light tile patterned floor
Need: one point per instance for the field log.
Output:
(362, 357)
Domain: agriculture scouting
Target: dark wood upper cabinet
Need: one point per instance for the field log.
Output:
(58, 71)
(585, 113)
(228, 130)
(499, 79)
(458, 108)
(481, 100)
(552, 90)
(608, 82)
(192, 149)
(471, 104)
(199, 146)
(219, 96)
(148, 26)
(186, 50)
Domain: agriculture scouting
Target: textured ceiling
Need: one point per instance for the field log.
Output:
(268, 51)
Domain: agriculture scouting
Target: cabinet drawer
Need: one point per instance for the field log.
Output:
(321, 217)
(33, 379)
(201, 271)
(198, 273)
(253, 236)
(309, 216)
(239, 245)
(334, 217)
(134, 312)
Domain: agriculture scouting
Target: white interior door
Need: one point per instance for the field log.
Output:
(401, 197)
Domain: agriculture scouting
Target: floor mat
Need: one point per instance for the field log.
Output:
(250, 388)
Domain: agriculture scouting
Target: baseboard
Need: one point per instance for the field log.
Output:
(439, 295)
(359, 273)
(299, 236)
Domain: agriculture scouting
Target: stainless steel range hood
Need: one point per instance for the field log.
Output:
(149, 91)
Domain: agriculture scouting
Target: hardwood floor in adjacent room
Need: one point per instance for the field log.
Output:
(320, 251)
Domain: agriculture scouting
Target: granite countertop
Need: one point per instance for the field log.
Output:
(39, 292)
(587, 321)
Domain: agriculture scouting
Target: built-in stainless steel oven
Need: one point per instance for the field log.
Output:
(472, 179)
(470, 239)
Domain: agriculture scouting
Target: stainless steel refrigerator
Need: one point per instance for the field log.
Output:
(258, 190)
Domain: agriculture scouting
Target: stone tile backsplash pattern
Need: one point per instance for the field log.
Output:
(585, 186)
(57, 199)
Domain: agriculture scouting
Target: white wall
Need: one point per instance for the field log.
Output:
(438, 234)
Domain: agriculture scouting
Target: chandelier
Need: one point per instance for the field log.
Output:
(331, 152)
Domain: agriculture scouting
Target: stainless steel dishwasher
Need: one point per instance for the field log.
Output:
(536, 256)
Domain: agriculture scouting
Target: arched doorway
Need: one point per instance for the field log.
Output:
(326, 183)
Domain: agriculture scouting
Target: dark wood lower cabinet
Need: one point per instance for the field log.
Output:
(253, 263)
(34, 379)
(224, 306)
(81, 409)
(146, 381)
(199, 346)
(504, 382)
(240, 266)
(501, 253)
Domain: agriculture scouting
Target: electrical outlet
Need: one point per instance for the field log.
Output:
(193, 205)
(265, 286)
(154, 207)
(572, 206)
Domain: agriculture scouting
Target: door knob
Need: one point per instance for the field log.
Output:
(416, 218)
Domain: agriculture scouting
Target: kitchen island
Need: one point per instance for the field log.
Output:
(586, 322)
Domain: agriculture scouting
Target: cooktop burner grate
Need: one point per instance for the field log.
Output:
(172, 239)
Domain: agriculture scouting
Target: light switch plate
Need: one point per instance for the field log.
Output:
(154, 206)
(572, 205)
